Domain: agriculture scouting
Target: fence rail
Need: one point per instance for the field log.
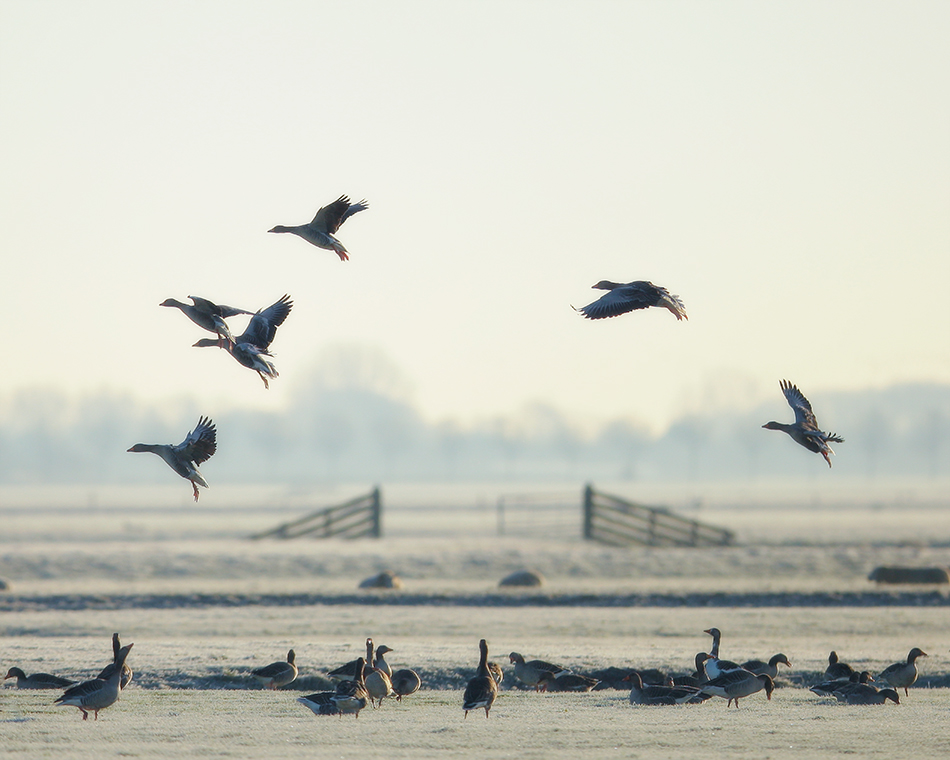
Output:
(618, 522)
(357, 518)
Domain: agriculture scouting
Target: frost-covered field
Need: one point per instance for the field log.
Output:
(205, 605)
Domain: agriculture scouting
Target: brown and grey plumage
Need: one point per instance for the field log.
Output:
(126, 670)
(251, 346)
(496, 672)
(352, 669)
(379, 660)
(900, 675)
(622, 297)
(277, 674)
(529, 673)
(37, 680)
(804, 431)
(837, 687)
(199, 446)
(377, 682)
(770, 668)
(97, 694)
(657, 694)
(321, 703)
(836, 668)
(736, 684)
(207, 315)
(864, 694)
(321, 229)
(481, 690)
(405, 682)
(351, 695)
(565, 681)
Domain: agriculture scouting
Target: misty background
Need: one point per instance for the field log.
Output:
(352, 418)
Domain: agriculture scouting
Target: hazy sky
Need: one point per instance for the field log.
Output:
(783, 167)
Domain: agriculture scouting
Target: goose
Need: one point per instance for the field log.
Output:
(698, 676)
(277, 674)
(836, 668)
(405, 682)
(351, 695)
(199, 446)
(736, 684)
(37, 680)
(529, 673)
(804, 430)
(377, 683)
(379, 661)
(251, 346)
(481, 690)
(321, 703)
(565, 681)
(622, 297)
(864, 694)
(97, 694)
(656, 694)
(838, 686)
(207, 315)
(353, 668)
(496, 672)
(322, 228)
(770, 668)
(713, 666)
(902, 674)
(107, 670)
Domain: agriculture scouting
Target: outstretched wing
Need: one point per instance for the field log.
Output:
(329, 218)
(800, 405)
(210, 307)
(200, 444)
(620, 300)
(263, 326)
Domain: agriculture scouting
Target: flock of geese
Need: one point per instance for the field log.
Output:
(251, 348)
(370, 680)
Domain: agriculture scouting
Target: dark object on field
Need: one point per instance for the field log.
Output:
(885, 574)
(528, 578)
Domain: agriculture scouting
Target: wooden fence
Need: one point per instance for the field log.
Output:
(618, 522)
(357, 518)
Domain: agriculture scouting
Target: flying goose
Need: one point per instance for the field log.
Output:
(804, 430)
(199, 446)
(251, 346)
(322, 228)
(208, 315)
(622, 297)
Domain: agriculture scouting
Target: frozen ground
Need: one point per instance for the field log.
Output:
(205, 605)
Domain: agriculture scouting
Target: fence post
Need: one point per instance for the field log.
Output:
(588, 511)
(377, 510)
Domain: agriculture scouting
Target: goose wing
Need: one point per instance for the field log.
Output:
(329, 218)
(800, 405)
(200, 444)
(262, 328)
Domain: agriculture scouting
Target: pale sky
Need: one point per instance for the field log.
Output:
(784, 167)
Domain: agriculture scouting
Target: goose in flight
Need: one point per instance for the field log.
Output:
(321, 230)
(251, 346)
(208, 315)
(622, 297)
(804, 430)
(199, 446)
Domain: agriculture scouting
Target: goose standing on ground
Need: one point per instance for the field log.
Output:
(405, 682)
(199, 446)
(321, 703)
(37, 680)
(804, 430)
(324, 225)
(208, 315)
(377, 683)
(481, 690)
(900, 675)
(770, 668)
(837, 669)
(736, 684)
(277, 674)
(622, 297)
(713, 665)
(529, 673)
(351, 696)
(107, 670)
(379, 661)
(96, 694)
(251, 346)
